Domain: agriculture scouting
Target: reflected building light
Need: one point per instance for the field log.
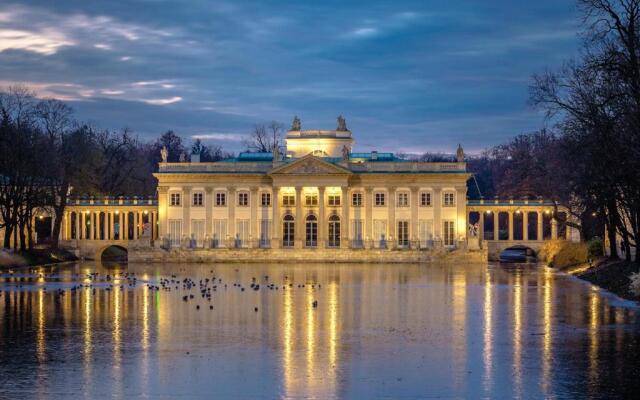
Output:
(517, 335)
(311, 343)
(288, 368)
(333, 337)
(594, 325)
(87, 341)
(488, 333)
(547, 304)
(40, 337)
(459, 309)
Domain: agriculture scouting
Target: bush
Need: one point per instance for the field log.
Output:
(562, 253)
(634, 285)
(595, 247)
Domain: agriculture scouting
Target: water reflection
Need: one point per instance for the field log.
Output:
(377, 331)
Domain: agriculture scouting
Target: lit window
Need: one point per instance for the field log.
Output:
(266, 199)
(403, 199)
(334, 199)
(175, 199)
(425, 199)
(243, 199)
(198, 199)
(356, 199)
(288, 200)
(449, 199)
(379, 199)
(311, 200)
(221, 199)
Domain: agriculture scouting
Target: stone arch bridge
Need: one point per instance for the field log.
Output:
(90, 226)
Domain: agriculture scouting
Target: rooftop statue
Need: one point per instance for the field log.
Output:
(276, 152)
(164, 154)
(460, 154)
(183, 157)
(345, 153)
(295, 125)
(342, 124)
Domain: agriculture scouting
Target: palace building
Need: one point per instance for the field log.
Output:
(316, 193)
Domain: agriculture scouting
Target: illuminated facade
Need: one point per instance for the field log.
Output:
(315, 194)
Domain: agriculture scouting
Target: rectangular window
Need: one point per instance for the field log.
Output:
(403, 199)
(219, 232)
(243, 199)
(175, 232)
(265, 233)
(449, 233)
(242, 233)
(311, 200)
(221, 199)
(425, 232)
(198, 199)
(174, 199)
(356, 228)
(266, 199)
(334, 200)
(403, 233)
(356, 199)
(425, 199)
(379, 232)
(197, 231)
(379, 199)
(449, 199)
(288, 200)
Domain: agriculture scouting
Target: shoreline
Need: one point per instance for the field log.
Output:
(609, 275)
(35, 257)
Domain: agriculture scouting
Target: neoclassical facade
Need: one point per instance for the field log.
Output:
(316, 194)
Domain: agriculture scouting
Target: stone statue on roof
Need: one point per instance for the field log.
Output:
(460, 154)
(342, 124)
(164, 154)
(295, 125)
(183, 157)
(345, 153)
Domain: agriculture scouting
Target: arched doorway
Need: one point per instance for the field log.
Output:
(288, 231)
(334, 231)
(311, 231)
(113, 253)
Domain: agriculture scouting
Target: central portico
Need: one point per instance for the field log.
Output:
(315, 194)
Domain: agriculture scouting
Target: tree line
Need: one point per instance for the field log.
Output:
(47, 156)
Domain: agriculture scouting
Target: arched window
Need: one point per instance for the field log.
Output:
(334, 231)
(288, 231)
(312, 231)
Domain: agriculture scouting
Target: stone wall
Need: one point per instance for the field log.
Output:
(157, 255)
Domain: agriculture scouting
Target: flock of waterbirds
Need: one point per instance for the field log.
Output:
(95, 282)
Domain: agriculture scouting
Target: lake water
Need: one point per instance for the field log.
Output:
(376, 331)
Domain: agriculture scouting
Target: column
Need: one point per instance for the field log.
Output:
(437, 214)
(231, 227)
(186, 212)
(300, 228)
(540, 237)
(368, 214)
(525, 225)
(93, 226)
(322, 223)
(391, 218)
(275, 218)
(154, 225)
(108, 224)
(510, 225)
(125, 224)
(254, 223)
(162, 211)
(344, 223)
(98, 226)
(78, 225)
(208, 212)
(554, 228)
(496, 227)
(413, 203)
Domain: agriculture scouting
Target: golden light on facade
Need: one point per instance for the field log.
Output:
(146, 212)
(117, 212)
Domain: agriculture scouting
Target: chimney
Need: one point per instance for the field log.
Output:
(374, 155)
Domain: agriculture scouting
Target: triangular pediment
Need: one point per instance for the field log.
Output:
(311, 165)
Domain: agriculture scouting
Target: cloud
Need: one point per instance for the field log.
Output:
(46, 42)
(229, 137)
(162, 102)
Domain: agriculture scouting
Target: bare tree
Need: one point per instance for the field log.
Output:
(264, 137)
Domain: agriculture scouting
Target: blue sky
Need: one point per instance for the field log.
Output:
(409, 76)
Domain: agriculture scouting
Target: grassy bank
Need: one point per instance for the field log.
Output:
(34, 257)
(611, 275)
